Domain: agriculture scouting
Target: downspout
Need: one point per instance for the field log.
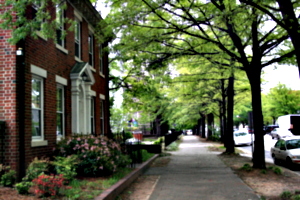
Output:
(21, 82)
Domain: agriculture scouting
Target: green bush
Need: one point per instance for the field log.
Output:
(286, 195)
(247, 167)
(36, 168)
(8, 178)
(127, 135)
(23, 187)
(159, 140)
(215, 137)
(277, 170)
(296, 197)
(98, 156)
(66, 166)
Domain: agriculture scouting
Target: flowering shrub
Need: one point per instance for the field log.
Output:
(97, 155)
(66, 166)
(36, 168)
(48, 185)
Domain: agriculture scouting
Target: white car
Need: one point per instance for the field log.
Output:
(287, 150)
(242, 137)
(279, 133)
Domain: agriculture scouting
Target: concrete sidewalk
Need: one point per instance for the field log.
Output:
(194, 173)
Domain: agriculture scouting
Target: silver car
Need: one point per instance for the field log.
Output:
(287, 150)
(279, 133)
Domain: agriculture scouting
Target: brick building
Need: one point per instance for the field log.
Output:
(50, 89)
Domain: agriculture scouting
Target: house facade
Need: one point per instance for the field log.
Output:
(51, 89)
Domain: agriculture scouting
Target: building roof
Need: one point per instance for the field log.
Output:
(88, 10)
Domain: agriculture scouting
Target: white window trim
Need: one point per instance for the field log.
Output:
(39, 33)
(102, 114)
(40, 141)
(101, 60)
(102, 96)
(61, 80)
(42, 73)
(63, 46)
(62, 112)
(92, 51)
(79, 20)
(38, 71)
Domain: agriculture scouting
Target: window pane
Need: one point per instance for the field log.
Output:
(91, 50)
(77, 50)
(59, 124)
(77, 38)
(36, 93)
(59, 99)
(36, 122)
(100, 58)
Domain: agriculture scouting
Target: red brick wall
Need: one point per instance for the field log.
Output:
(8, 104)
(44, 54)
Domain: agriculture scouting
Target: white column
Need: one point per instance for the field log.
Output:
(75, 106)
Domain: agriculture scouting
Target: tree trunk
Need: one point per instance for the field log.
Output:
(203, 119)
(229, 131)
(224, 119)
(292, 25)
(210, 122)
(259, 149)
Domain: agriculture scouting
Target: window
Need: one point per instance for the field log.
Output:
(101, 59)
(60, 26)
(91, 49)
(77, 38)
(37, 107)
(102, 116)
(93, 116)
(60, 112)
(39, 7)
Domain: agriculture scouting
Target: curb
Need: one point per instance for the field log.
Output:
(112, 192)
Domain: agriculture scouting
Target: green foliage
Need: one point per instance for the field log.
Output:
(286, 195)
(296, 197)
(23, 187)
(280, 101)
(128, 135)
(3, 169)
(36, 168)
(8, 178)
(247, 167)
(146, 156)
(216, 136)
(82, 189)
(263, 171)
(66, 166)
(277, 170)
(174, 146)
(159, 140)
(97, 156)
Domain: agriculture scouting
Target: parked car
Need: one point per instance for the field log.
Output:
(279, 133)
(287, 150)
(242, 137)
(270, 128)
(189, 132)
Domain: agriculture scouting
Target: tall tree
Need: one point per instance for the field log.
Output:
(282, 101)
(283, 13)
(163, 30)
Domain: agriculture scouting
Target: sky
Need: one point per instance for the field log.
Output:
(284, 74)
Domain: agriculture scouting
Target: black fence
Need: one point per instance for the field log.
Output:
(169, 138)
(134, 149)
